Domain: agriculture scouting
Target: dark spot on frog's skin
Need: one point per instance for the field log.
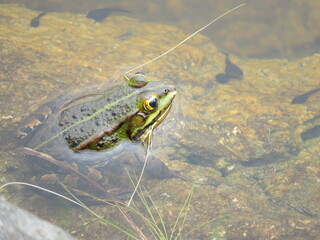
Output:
(74, 116)
(101, 13)
(74, 143)
(82, 129)
(114, 113)
(97, 123)
(84, 108)
(311, 133)
(103, 138)
(304, 97)
(114, 139)
(63, 122)
(100, 144)
(35, 22)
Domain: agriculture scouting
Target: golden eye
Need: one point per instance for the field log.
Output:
(139, 80)
(151, 103)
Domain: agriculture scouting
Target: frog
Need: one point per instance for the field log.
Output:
(93, 130)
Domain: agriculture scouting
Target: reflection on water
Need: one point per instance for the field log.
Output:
(242, 141)
(261, 29)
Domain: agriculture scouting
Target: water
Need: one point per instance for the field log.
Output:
(261, 29)
(240, 141)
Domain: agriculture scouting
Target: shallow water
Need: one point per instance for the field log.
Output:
(260, 29)
(240, 141)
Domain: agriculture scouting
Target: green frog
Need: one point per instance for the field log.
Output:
(95, 130)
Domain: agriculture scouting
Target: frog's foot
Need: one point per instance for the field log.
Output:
(68, 167)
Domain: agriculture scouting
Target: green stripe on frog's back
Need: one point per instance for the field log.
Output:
(82, 121)
(86, 119)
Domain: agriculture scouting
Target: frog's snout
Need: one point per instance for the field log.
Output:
(171, 90)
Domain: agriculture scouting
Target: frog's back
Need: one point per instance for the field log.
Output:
(80, 121)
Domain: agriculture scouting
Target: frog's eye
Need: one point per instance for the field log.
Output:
(150, 104)
(138, 80)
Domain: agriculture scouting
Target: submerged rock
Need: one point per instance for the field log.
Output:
(16, 223)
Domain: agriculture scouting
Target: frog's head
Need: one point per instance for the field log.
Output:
(153, 103)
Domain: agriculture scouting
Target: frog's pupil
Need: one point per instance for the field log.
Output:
(153, 102)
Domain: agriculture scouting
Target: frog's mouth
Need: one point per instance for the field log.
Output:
(162, 115)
